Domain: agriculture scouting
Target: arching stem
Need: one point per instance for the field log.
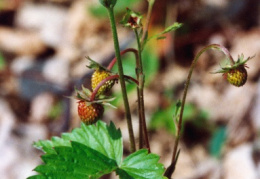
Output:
(112, 63)
(171, 168)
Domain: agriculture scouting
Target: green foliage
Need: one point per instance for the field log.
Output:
(164, 118)
(92, 151)
(105, 139)
(100, 11)
(217, 141)
(77, 161)
(141, 165)
(160, 35)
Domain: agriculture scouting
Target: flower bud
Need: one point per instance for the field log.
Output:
(132, 19)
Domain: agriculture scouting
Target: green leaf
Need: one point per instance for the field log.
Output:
(77, 161)
(141, 165)
(105, 139)
(172, 27)
(91, 152)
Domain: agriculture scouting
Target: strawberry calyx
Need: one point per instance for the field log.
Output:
(96, 66)
(85, 95)
(238, 64)
(236, 74)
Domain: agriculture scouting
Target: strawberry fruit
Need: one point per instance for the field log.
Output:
(100, 74)
(89, 113)
(97, 77)
(236, 74)
(237, 77)
(89, 110)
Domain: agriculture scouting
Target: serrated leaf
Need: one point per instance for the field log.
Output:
(141, 165)
(77, 161)
(92, 151)
(103, 138)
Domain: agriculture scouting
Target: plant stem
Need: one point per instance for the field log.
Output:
(140, 92)
(121, 79)
(171, 168)
(148, 20)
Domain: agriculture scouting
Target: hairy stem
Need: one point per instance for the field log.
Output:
(148, 20)
(171, 168)
(121, 79)
(140, 92)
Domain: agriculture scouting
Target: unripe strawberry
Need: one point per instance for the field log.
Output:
(90, 113)
(236, 73)
(237, 76)
(97, 77)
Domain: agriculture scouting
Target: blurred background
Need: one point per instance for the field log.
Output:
(43, 45)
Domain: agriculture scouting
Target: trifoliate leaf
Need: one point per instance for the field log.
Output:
(141, 165)
(103, 138)
(92, 151)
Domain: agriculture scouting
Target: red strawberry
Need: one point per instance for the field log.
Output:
(90, 113)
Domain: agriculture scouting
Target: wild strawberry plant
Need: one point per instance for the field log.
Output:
(96, 148)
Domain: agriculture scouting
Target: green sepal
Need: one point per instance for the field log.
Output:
(240, 62)
(96, 66)
(84, 94)
(131, 19)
